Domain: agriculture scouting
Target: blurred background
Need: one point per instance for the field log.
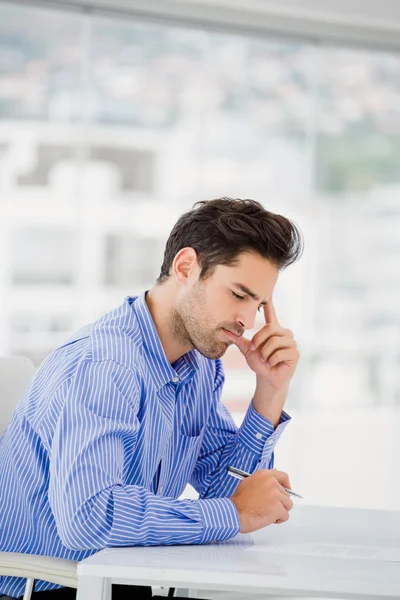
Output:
(115, 117)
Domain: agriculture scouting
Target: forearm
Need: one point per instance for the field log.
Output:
(249, 449)
(131, 515)
(269, 402)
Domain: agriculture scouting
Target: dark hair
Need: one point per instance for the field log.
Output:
(219, 230)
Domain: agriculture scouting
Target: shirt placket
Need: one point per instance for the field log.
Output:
(168, 399)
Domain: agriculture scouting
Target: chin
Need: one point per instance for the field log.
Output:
(215, 353)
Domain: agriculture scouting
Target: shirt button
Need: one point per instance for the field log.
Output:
(259, 436)
(161, 489)
(175, 379)
(270, 442)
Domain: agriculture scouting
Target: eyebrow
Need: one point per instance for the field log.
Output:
(247, 291)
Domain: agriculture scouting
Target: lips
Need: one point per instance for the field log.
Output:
(231, 334)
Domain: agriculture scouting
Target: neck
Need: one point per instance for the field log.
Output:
(160, 302)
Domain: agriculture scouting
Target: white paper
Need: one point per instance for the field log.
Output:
(332, 550)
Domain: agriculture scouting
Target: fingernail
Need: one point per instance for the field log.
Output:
(252, 347)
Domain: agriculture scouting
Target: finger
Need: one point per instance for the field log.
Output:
(276, 343)
(289, 356)
(243, 344)
(269, 312)
(286, 501)
(283, 516)
(266, 332)
(283, 478)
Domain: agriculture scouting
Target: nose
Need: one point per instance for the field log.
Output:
(247, 318)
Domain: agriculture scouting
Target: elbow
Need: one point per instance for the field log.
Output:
(85, 526)
(81, 533)
(74, 537)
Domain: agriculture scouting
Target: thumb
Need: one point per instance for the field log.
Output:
(243, 344)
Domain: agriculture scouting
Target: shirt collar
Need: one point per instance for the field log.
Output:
(160, 369)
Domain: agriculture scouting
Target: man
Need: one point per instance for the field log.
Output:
(122, 416)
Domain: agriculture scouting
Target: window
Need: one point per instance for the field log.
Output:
(132, 262)
(43, 257)
(111, 128)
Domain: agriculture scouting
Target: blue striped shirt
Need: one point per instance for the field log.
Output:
(105, 438)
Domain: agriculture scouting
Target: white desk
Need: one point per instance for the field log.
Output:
(232, 567)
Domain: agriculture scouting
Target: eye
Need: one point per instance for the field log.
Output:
(237, 296)
(259, 309)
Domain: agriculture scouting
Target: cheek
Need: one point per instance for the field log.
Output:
(210, 316)
(214, 308)
(223, 318)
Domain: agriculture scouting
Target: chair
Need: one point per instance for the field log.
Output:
(32, 566)
(15, 373)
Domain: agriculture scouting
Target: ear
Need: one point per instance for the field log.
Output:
(185, 265)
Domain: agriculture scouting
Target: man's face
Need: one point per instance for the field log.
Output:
(210, 313)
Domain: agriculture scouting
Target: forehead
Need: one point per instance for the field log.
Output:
(253, 271)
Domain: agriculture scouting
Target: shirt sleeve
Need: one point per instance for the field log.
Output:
(249, 447)
(93, 446)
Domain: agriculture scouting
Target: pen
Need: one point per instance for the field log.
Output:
(242, 475)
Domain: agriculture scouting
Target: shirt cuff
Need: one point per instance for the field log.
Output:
(220, 519)
(257, 433)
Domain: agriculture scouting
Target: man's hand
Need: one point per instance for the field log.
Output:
(261, 500)
(272, 353)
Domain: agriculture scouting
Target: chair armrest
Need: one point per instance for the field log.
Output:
(33, 566)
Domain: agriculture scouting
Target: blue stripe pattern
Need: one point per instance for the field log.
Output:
(107, 435)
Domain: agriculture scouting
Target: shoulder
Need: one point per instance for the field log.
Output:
(116, 337)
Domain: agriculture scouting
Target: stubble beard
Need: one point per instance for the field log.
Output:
(190, 326)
